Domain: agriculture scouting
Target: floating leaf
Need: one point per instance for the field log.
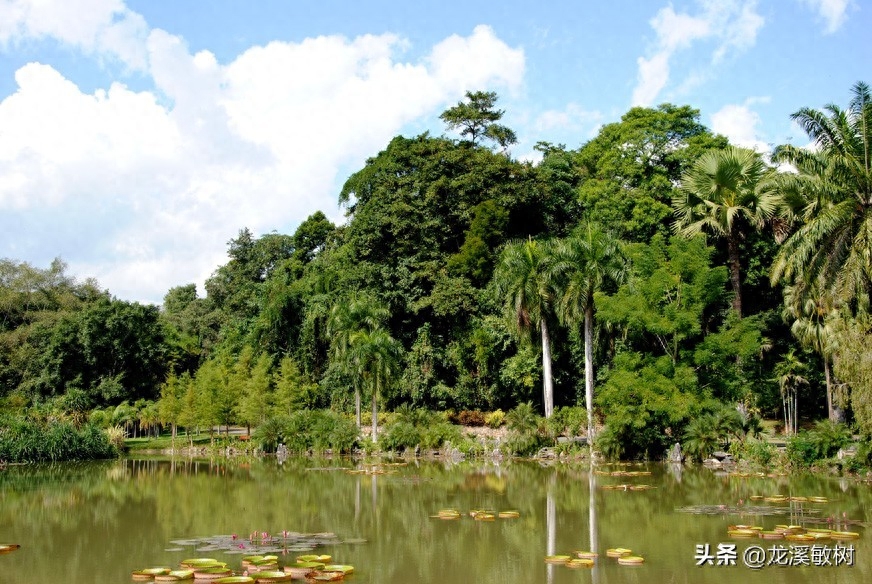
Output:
(580, 563)
(339, 568)
(844, 535)
(618, 552)
(233, 580)
(631, 560)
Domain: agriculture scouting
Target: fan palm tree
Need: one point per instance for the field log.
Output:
(347, 318)
(831, 195)
(725, 192)
(583, 263)
(523, 278)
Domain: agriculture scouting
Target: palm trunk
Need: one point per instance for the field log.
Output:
(831, 413)
(547, 384)
(735, 273)
(357, 407)
(374, 415)
(588, 371)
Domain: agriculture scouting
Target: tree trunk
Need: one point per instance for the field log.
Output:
(588, 371)
(357, 407)
(547, 384)
(735, 273)
(831, 413)
(374, 414)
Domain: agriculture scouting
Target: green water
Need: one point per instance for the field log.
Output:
(84, 523)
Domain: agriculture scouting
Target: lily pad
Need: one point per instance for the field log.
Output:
(271, 576)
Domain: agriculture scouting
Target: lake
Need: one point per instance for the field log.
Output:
(97, 522)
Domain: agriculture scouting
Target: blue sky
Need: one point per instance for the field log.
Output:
(138, 137)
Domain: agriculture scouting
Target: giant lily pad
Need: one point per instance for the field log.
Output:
(5, 548)
(271, 576)
(175, 576)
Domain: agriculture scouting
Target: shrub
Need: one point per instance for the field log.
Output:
(470, 418)
(435, 435)
(495, 419)
(823, 442)
(28, 441)
(525, 443)
(755, 452)
(269, 434)
(399, 436)
(116, 435)
(522, 419)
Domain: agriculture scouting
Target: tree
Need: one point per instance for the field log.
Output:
(790, 373)
(523, 280)
(852, 362)
(725, 192)
(663, 304)
(831, 195)
(171, 401)
(477, 118)
(628, 174)
(292, 389)
(256, 398)
(812, 316)
(350, 317)
(584, 263)
(376, 356)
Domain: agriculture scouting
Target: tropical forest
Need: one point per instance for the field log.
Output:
(656, 285)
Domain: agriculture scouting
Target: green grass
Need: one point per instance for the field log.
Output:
(165, 441)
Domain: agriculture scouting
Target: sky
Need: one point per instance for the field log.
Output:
(137, 138)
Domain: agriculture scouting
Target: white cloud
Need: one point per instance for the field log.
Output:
(149, 186)
(833, 12)
(730, 24)
(572, 118)
(740, 124)
(105, 27)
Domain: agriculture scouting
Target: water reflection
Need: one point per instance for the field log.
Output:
(98, 521)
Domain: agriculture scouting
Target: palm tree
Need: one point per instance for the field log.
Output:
(347, 318)
(831, 195)
(377, 356)
(724, 192)
(789, 376)
(523, 278)
(813, 314)
(585, 262)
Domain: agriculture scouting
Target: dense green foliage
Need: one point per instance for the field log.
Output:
(23, 440)
(466, 280)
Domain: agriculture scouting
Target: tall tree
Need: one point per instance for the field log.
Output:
(350, 317)
(812, 313)
(376, 356)
(725, 192)
(583, 264)
(476, 118)
(524, 281)
(831, 195)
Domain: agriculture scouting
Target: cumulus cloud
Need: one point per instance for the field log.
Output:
(731, 25)
(740, 124)
(104, 27)
(833, 12)
(143, 189)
